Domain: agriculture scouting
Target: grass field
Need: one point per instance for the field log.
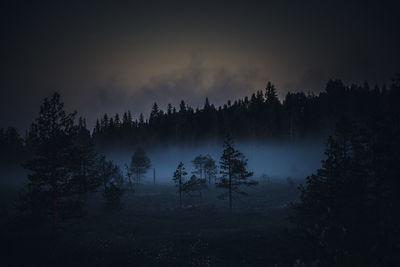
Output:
(150, 230)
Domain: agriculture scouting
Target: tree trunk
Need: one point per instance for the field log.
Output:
(130, 182)
(55, 203)
(180, 194)
(55, 212)
(104, 179)
(291, 128)
(230, 190)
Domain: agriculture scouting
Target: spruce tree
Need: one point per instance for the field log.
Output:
(210, 169)
(194, 185)
(199, 164)
(84, 161)
(112, 180)
(179, 179)
(140, 164)
(234, 173)
(60, 171)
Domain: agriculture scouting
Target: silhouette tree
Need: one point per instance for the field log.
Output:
(271, 96)
(199, 163)
(59, 172)
(205, 167)
(12, 147)
(129, 175)
(169, 109)
(112, 181)
(179, 179)
(141, 120)
(140, 163)
(210, 169)
(108, 173)
(155, 113)
(84, 161)
(233, 172)
(194, 185)
(349, 207)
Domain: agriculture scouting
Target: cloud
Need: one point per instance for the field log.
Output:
(192, 84)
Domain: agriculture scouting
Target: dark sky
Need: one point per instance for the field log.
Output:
(118, 55)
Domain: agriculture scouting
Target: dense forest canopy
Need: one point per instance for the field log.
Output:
(262, 116)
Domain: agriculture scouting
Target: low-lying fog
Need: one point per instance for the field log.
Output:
(279, 160)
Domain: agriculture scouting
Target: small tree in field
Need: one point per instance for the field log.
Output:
(140, 163)
(234, 173)
(179, 179)
(129, 175)
(210, 169)
(112, 180)
(205, 167)
(194, 185)
(199, 163)
(108, 173)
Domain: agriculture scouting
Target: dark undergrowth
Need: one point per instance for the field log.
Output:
(151, 231)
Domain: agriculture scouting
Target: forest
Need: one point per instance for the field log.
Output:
(72, 195)
(262, 116)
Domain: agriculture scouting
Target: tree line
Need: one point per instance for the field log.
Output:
(261, 116)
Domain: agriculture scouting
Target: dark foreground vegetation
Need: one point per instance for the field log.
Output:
(80, 208)
(150, 231)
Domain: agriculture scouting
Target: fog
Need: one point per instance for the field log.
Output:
(277, 160)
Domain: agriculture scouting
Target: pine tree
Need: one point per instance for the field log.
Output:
(273, 112)
(169, 109)
(205, 167)
(270, 94)
(59, 172)
(129, 174)
(104, 122)
(97, 128)
(112, 180)
(194, 185)
(141, 120)
(206, 105)
(129, 119)
(12, 147)
(154, 114)
(140, 163)
(84, 161)
(179, 179)
(117, 121)
(182, 107)
(199, 163)
(233, 172)
(210, 169)
(347, 206)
